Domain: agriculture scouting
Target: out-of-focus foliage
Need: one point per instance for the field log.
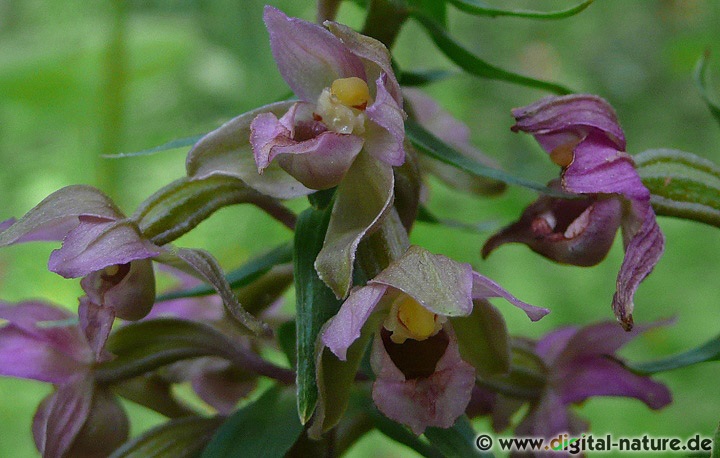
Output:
(77, 76)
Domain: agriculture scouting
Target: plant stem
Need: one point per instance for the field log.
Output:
(384, 20)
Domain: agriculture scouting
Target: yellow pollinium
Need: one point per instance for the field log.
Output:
(353, 92)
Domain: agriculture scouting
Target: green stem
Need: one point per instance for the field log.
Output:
(327, 10)
(384, 20)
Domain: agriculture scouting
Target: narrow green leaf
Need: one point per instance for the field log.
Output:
(287, 338)
(144, 346)
(267, 427)
(401, 434)
(242, 276)
(480, 8)
(681, 184)
(700, 76)
(179, 438)
(316, 303)
(436, 9)
(429, 144)
(421, 78)
(173, 144)
(476, 66)
(709, 351)
(457, 441)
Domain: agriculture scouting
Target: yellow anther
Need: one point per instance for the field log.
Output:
(563, 155)
(353, 92)
(418, 320)
(112, 270)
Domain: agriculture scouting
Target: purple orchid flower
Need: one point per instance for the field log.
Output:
(421, 379)
(581, 363)
(582, 135)
(349, 101)
(45, 343)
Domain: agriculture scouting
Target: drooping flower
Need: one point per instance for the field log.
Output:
(581, 363)
(45, 343)
(582, 135)
(421, 379)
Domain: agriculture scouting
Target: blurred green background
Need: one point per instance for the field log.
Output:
(79, 79)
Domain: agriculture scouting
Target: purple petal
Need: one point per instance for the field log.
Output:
(6, 224)
(95, 244)
(483, 288)
(438, 283)
(58, 213)
(607, 377)
(577, 232)
(345, 327)
(386, 131)
(106, 428)
(547, 419)
(600, 168)
(227, 151)
(437, 400)
(308, 56)
(576, 114)
(96, 322)
(362, 200)
(641, 254)
(552, 345)
(374, 55)
(60, 417)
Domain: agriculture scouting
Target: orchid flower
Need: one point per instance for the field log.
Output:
(582, 135)
(581, 363)
(80, 418)
(421, 379)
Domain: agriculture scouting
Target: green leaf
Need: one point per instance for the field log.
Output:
(483, 339)
(173, 144)
(480, 8)
(709, 351)
(144, 346)
(316, 303)
(267, 427)
(681, 184)
(457, 441)
(180, 206)
(242, 276)
(429, 144)
(436, 9)
(700, 76)
(179, 438)
(401, 434)
(287, 338)
(476, 66)
(421, 78)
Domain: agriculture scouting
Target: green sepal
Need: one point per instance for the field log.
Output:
(242, 276)
(681, 184)
(315, 303)
(483, 339)
(476, 66)
(709, 351)
(429, 144)
(267, 427)
(480, 8)
(700, 76)
(179, 438)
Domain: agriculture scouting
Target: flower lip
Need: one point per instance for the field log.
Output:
(416, 358)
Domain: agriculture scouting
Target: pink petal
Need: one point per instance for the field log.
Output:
(345, 327)
(484, 288)
(308, 56)
(96, 322)
(386, 133)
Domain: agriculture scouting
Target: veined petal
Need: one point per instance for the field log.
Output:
(58, 213)
(386, 131)
(362, 200)
(374, 54)
(227, 151)
(345, 327)
(641, 254)
(96, 322)
(96, 243)
(61, 416)
(308, 56)
(608, 377)
(437, 400)
(577, 114)
(438, 283)
(600, 168)
(483, 288)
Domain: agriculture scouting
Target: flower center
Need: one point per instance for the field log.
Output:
(341, 107)
(410, 320)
